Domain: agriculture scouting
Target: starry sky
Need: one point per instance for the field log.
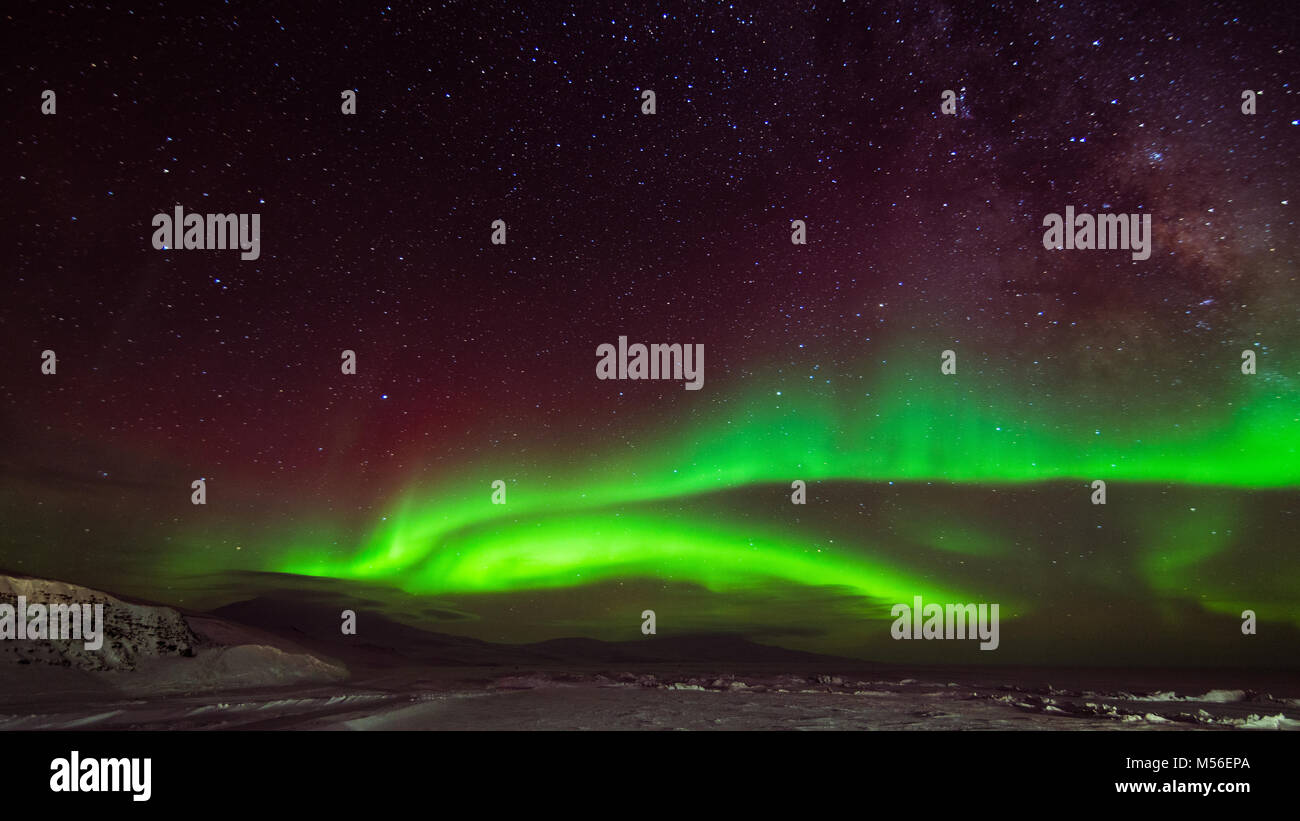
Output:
(476, 362)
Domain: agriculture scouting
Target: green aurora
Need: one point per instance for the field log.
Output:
(606, 519)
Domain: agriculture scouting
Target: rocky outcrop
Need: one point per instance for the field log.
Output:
(131, 632)
(141, 650)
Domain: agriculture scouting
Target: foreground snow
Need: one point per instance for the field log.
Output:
(628, 701)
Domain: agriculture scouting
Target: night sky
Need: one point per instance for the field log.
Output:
(476, 362)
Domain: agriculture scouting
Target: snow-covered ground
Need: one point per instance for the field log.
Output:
(235, 669)
(642, 701)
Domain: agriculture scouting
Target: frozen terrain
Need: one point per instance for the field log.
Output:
(467, 699)
(236, 668)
